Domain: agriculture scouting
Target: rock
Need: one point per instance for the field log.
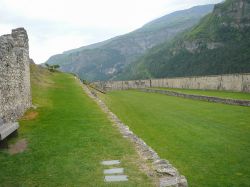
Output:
(182, 182)
(165, 169)
(169, 182)
(160, 162)
(173, 182)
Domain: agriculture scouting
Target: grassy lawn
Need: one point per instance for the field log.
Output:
(67, 140)
(208, 142)
(222, 94)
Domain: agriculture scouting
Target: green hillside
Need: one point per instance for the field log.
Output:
(219, 44)
(104, 60)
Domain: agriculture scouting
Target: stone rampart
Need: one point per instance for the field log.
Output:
(15, 94)
(230, 82)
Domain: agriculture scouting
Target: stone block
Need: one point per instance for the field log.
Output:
(7, 128)
(116, 178)
(110, 162)
(113, 171)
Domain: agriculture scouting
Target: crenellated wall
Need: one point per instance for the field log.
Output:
(230, 82)
(15, 94)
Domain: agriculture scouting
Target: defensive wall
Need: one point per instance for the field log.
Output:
(15, 94)
(229, 82)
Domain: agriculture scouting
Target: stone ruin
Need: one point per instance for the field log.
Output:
(15, 94)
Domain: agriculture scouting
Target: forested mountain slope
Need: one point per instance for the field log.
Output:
(219, 44)
(102, 61)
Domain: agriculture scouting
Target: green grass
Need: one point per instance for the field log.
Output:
(221, 94)
(207, 142)
(67, 141)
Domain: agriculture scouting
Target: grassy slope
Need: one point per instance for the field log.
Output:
(67, 141)
(222, 94)
(207, 142)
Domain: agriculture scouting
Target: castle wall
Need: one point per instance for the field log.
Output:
(231, 82)
(15, 94)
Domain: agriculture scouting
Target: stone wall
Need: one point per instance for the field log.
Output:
(231, 82)
(15, 94)
(198, 97)
(159, 168)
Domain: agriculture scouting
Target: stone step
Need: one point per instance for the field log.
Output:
(110, 162)
(116, 178)
(113, 171)
(8, 128)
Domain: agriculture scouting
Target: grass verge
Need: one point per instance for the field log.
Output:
(214, 93)
(67, 138)
(208, 142)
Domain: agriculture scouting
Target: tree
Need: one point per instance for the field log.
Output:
(52, 68)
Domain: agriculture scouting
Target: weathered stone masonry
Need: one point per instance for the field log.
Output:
(15, 94)
(231, 82)
(199, 97)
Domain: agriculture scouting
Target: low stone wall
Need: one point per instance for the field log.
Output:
(231, 82)
(199, 97)
(166, 174)
(15, 94)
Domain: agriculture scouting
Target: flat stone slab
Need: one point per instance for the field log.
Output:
(113, 171)
(116, 178)
(110, 162)
(7, 128)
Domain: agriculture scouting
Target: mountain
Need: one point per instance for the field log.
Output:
(219, 44)
(104, 60)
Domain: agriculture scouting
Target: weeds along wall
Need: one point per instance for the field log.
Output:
(15, 94)
(230, 82)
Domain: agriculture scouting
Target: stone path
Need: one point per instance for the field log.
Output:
(114, 174)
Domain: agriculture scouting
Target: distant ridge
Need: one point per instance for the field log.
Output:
(219, 44)
(104, 60)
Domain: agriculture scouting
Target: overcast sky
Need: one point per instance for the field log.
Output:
(55, 26)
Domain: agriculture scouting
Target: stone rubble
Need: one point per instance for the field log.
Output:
(165, 172)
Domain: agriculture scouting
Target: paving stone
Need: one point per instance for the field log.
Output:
(110, 162)
(113, 171)
(116, 178)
